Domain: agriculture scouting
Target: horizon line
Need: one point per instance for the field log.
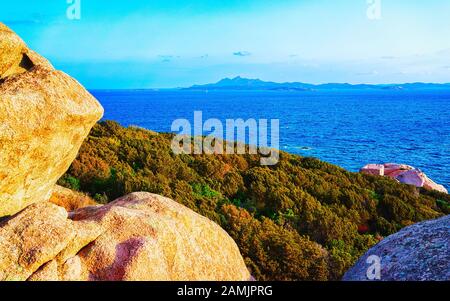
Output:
(285, 82)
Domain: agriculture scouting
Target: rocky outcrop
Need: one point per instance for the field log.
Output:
(141, 236)
(416, 253)
(404, 174)
(44, 117)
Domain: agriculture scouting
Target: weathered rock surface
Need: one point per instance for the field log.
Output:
(404, 174)
(373, 169)
(416, 253)
(141, 236)
(31, 238)
(44, 117)
(389, 168)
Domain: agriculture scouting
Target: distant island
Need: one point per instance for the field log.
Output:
(240, 83)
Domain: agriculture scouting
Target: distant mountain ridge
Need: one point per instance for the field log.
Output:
(240, 83)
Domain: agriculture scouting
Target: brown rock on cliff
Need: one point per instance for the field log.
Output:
(44, 117)
(31, 238)
(404, 174)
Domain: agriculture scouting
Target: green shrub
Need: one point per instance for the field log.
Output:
(70, 182)
(299, 220)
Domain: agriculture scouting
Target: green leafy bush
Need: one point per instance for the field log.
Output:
(302, 219)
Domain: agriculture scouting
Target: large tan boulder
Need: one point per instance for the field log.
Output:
(149, 237)
(141, 236)
(44, 117)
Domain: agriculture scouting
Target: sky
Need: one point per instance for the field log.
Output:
(110, 44)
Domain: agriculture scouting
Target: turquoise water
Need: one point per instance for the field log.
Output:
(347, 128)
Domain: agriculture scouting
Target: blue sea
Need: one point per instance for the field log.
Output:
(346, 128)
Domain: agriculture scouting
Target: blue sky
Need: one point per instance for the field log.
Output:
(168, 43)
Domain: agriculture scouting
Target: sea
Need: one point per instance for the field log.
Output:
(349, 128)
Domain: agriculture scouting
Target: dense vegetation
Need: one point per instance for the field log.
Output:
(302, 219)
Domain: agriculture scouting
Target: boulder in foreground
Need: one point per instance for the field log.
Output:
(417, 253)
(69, 199)
(141, 236)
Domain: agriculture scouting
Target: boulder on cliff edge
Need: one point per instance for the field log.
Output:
(44, 117)
(404, 174)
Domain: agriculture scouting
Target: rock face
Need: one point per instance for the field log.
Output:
(417, 253)
(404, 174)
(141, 236)
(44, 117)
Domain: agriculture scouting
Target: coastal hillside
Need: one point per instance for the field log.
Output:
(302, 219)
